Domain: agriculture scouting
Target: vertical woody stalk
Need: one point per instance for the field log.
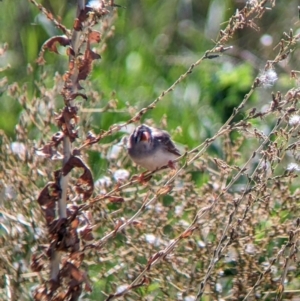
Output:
(67, 147)
(63, 227)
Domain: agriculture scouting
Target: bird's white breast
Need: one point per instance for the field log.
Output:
(155, 161)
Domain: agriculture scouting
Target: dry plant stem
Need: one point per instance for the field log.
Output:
(192, 227)
(219, 248)
(145, 204)
(225, 128)
(50, 16)
(54, 266)
(236, 22)
(173, 244)
(67, 151)
(222, 130)
(293, 249)
(9, 290)
(75, 41)
(62, 205)
(162, 254)
(156, 258)
(104, 239)
(287, 265)
(116, 128)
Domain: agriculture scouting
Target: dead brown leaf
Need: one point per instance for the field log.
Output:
(85, 183)
(47, 200)
(94, 36)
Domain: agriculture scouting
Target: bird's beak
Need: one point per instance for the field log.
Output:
(145, 136)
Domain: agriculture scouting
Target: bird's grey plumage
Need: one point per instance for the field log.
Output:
(151, 148)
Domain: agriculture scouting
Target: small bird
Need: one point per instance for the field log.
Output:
(151, 148)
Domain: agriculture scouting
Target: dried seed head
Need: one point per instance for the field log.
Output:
(294, 120)
(268, 77)
(293, 167)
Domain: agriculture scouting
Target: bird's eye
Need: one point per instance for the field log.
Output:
(137, 137)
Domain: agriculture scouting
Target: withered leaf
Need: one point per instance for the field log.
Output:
(280, 289)
(71, 270)
(137, 223)
(154, 258)
(64, 238)
(85, 66)
(53, 285)
(70, 51)
(119, 223)
(94, 55)
(164, 190)
(37, 263)
(50, 193)
(88, 287)
(47, 198)
(75, 223)
(49, 151)
(94, 36)
(187, 233)
(71, 241)
(40, 61)
(142, 178)
(67, 121)
(116, 199)
(86, 233)
(74, 95)
(57, 138)
(85, 183)
(77, 256)
(76, 152)
(52, 42)
(58, 225)
(83, 15)
(77, 25)
(40, 294)
(91, 138)
(223, 166)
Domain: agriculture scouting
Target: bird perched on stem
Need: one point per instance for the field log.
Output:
(151, 148)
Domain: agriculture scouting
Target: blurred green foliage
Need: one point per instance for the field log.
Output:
(153, 43)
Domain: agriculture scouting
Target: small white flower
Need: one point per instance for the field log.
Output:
(293, 167)
(103, 182)
(268, 78)
(294, 120)
(152, 239)
(122, 288)
(19, 149)
(179, 209)
(114, 152)
(219, 287)
(201, 244)
(121, 175)
(10, 192)
(250, 249)
(190, 298)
